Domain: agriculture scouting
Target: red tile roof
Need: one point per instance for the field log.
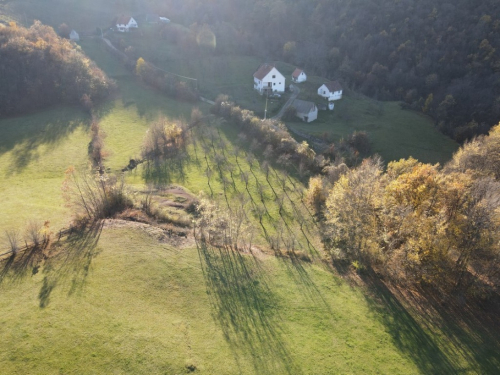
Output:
(333, 86)
(263, 71)
(296, 73)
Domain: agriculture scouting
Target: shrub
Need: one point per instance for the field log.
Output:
(359, 140)
(94, 194)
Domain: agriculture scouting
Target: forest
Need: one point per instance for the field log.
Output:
(419, 223)
(39, 69)
(438, 57)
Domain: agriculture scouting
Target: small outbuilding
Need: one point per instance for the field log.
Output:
(306, 111)
(299, 75)
(268, 79)
(331, 91)
(73, 35)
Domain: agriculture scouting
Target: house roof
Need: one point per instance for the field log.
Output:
(296, 73)
(123, 20)
(333, 86)
(303, 106)
(263, 71)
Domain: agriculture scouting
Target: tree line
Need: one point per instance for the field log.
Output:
(419, 223)
(39, 69)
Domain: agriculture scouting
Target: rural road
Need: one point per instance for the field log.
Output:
(295, 92)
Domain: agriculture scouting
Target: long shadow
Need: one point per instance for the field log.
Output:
(473, 329)
(166, 171)
(72, 266)
(407, 334)
(246, 309)
(48, 127)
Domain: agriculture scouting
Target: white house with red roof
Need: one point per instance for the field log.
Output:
(331, 91)
(268, 79)
(125, 23)
(299, 75)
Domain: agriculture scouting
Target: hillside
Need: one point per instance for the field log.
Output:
(220, 244)
(119, 301)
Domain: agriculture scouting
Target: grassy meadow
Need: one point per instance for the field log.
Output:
(35, 151)
(118, 301)
(394, 133)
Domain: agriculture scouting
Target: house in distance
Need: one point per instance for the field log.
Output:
(331, 91)
(268, 79)
(125, 23)
(73, 35)
(306, 111)
(299, 75)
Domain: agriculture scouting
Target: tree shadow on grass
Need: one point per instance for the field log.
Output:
(246, 309)
(69, 267)
(160, 173)
(17, 266)
(410, 333)
(72, 265)
(472, 329)
(49, 127)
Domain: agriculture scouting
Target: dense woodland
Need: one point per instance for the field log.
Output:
(420, 223)
(439, 57)
(38, 69)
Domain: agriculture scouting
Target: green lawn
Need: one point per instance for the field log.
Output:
(124, 303)
(394, 133)
(35, 150)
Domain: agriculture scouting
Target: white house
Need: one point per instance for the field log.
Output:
(268, 79)
(331, 91)
(124, 24)
(299, 75)
(306, 111)
(73, 35)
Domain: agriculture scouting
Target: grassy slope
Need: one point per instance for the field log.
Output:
(126, 119)
(35, 150)
(133, 305)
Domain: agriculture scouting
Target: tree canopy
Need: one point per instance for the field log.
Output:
(38, 69)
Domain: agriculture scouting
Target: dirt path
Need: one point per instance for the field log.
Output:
(295, 92)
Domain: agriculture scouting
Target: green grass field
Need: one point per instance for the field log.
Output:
(35, 150)
(394, 133)
(117, 301)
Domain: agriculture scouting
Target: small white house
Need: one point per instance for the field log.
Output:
(124, 24)
(331, 91)
(268, 79)
(73, 35)
(164, 20)
(299, 75)
(306, 111)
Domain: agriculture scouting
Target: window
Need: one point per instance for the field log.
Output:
(274, 84)
(274, 76)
